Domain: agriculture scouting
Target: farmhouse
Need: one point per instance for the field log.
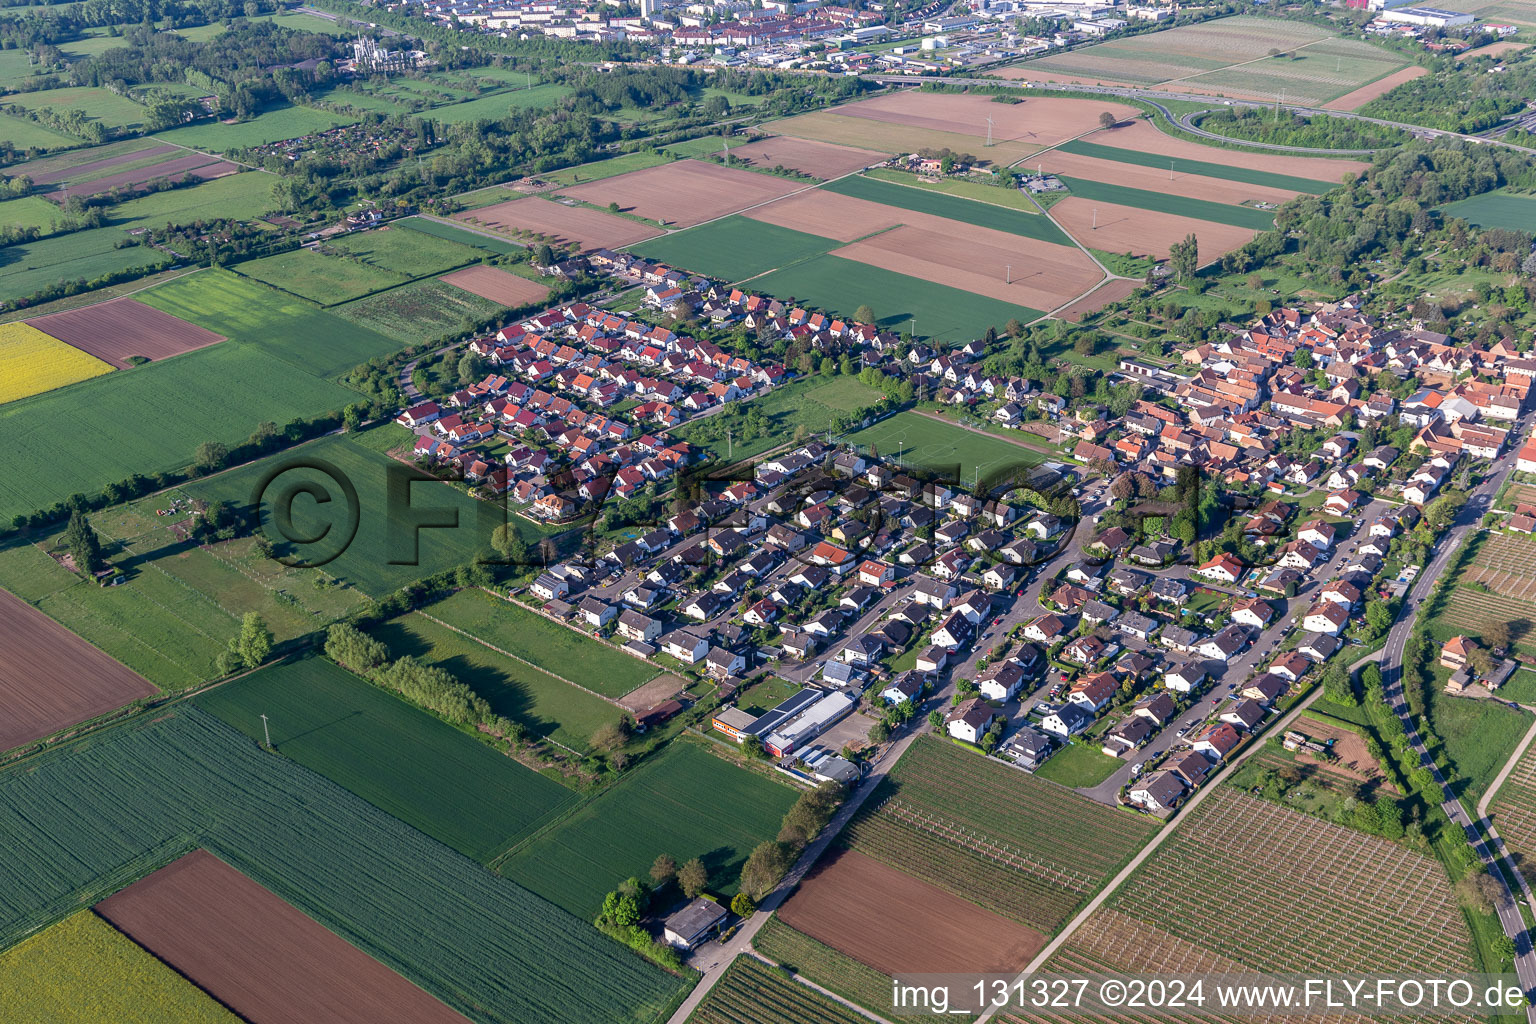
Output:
(694, 923)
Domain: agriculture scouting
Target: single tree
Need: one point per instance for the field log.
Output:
(543, 256)
(210, 455)
(1496, 634)
(692, 878)
(865, 314)
(254, 644)
(663, 869)
(1108, 120)
(742, 905)
(84, 545)
(509, 544)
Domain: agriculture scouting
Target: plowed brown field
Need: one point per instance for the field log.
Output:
(896, 923)
(822, 159)
(1038, 121)
(567, 225)
(50, 678)
(260, 956)
(1143, 232)
(497, 285)
(118, 328)
(685, 192)
(1363, 95)
(1144, 137)
(1157, 179)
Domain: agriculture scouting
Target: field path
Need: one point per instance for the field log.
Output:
(1509, 766)
(808, 983)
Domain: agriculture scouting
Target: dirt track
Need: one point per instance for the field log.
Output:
(259, 955)
(896, 923)
(496, 285)
(118, 328)
(51, 679)
(685, 192)
(574, 225)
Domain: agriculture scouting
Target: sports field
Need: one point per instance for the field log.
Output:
(549, 645)
(32, 362)
(83, 821)
(734, 248)
(547, 706)
(814, 404)
(841, 286)
(918, 440)
(400, 759)
(83, 969)
(1185, 165)
(1496, 210)
(685, 802)
(385, 553)
(150, 419)
(252, 315)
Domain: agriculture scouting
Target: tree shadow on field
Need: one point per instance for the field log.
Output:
(721, 859)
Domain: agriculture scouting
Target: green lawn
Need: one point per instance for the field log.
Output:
(547, 644)
(813, 404)
(80, 256)
(685, 802)
(149, 420)
(1210, 170)
(1477, 737)
(453, 234)
(1183, 206)
(411, 253)
(735, 248)
(397, 757)
(251, 314)
(840, 286)
(701, 146)
(268, 126)
(384, 554)
(1496, 210)
(1077, 765)
(546, 706)
(919, 441)
(982, 193)
(967, 211)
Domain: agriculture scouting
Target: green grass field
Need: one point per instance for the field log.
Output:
(699, 147)
(1077, 765)
(735, 248)
(1496, 210)
(320, 278)
(440, 230)
(149, 420)
(239, 196)
(268, 126)
(992, 195)
(1210, 170)
(249, 313)
(686, 802)
(1182, 206)
(99, 104)
(411, 253)
(153, 790)
(919, 441)
(30, 212)
(840, 286)
(417, 312)
(83, 969)
(499, 105)
(547, 706)
(400, 759)
(383, 555)
(25, 133)
(82, 255)
(967, 211)
(813, 404)
(598, 169)
(547, 644)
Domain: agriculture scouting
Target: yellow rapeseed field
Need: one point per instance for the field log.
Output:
(32, 362)
(83, 969)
